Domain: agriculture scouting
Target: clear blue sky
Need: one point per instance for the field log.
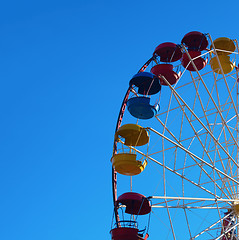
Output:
(64, 69)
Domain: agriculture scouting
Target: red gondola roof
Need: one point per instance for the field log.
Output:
(195, 40)
(168, 52)
(135, 203)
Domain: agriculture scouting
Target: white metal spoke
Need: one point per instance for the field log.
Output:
(192, 173)
(195, 156)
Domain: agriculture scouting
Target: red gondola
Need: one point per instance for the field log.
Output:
(124, 233)
(135, 203)
(199, 62)
(195, 40)
(195, 43)
(168, 52)
(128, 231)
(165, 71)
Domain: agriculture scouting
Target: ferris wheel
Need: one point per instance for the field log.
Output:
(175, 163)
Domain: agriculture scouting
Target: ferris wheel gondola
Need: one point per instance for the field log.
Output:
(182, 123)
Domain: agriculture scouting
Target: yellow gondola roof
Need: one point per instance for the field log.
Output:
(133, 134)
(224, 43)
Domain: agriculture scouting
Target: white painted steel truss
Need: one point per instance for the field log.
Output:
(192, 173)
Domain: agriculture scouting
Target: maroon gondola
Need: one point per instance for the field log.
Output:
(124, 233)
(195, 40)
(135, 203)
(199, 62)
(168, 52)
(165, 70)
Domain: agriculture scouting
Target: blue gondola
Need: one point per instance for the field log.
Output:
(139, 107)
(147, 84)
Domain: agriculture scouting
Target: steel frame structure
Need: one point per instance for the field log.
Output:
(195, 140)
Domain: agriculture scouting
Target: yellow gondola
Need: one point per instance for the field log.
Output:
(224, 47)
(227, 65)
(126, 164)
(133, 134)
